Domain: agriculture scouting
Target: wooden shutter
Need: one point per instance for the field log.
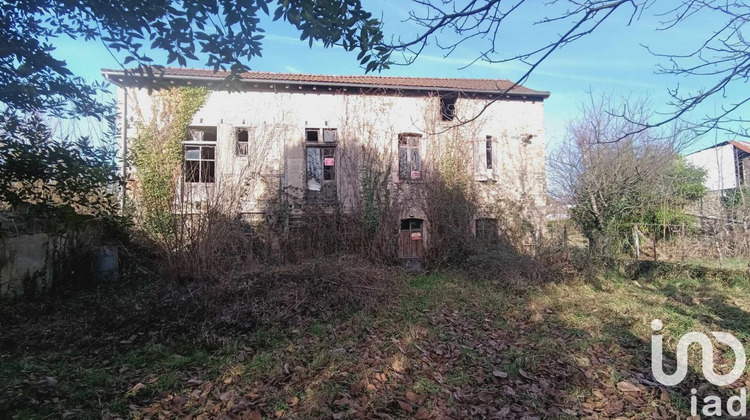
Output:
(480, 160)
(495, 159)
(294, 168)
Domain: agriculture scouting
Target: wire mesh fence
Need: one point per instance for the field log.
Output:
(710, 242)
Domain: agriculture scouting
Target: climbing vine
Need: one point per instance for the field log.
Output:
(157, 154)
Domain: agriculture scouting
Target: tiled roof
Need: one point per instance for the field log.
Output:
(745, 147)
(417, 83)
(742, 145)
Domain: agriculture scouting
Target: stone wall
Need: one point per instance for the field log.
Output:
(34, 261)
(709, 206)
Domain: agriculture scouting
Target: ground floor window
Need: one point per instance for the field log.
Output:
(486, 231)
(199, 155)
(321, 172)
(200, 163)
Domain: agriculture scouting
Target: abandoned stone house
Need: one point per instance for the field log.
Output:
(311, 133)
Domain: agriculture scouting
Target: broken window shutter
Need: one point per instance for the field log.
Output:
(480, 160)
(294, 166)
(416, 163)
(495, 159)
(403, 162)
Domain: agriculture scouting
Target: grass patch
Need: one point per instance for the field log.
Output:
(449, 345)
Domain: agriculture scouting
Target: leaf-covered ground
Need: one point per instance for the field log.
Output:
(445, 347)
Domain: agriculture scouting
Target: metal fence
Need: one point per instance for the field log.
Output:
(711, 242)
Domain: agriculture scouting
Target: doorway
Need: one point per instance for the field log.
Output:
(411, 238)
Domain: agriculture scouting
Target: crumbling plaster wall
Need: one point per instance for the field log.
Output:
(277, 122)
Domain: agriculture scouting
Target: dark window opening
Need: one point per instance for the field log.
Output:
(488, 148)
(200, 163)
(487, 231)
(311, 134)
(448, 107)
(241, 145)
(409, 159)
(411, 224)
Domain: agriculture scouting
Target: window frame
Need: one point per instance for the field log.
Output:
(328, 174)
(406, 142)
(448, 107)
(199, 142)
(238, 142)
(312, 130)
(488, 233)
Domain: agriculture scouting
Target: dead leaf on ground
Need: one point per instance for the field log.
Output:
(404, 406)
(422, 414)
(137, 387)
(627, 387)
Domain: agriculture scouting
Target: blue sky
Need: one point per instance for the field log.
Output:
(612, 60)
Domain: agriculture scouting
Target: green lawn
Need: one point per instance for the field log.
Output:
(446, 347)
(732, 263)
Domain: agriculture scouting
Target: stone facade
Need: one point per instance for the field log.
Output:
(505, 134)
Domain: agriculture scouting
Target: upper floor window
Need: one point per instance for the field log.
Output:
(409, 159)
(486, 159)
(241, 142)
(448, 107)
(199, 155)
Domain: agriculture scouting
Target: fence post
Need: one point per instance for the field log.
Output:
(636, 241)
(565, 237)
(682, 243)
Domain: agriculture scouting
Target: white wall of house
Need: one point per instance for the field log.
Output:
(719, 163)
(277, 122)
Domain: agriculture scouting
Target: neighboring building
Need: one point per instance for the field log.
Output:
(557, 210)
(727, 167)
(311, 133)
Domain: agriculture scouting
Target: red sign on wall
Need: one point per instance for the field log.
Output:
(328, 161)
(416, 236)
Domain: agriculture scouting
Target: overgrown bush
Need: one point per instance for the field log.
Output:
(51, 176)
(511, 268)
(157, 153)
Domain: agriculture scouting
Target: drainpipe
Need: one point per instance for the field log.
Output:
(124, 148)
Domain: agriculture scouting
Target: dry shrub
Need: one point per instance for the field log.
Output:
(317, 288)
(509, 267)
(450, 209)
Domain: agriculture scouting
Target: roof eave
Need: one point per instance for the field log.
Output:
(536, 94)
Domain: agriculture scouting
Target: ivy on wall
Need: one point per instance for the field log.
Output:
(157, 154)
